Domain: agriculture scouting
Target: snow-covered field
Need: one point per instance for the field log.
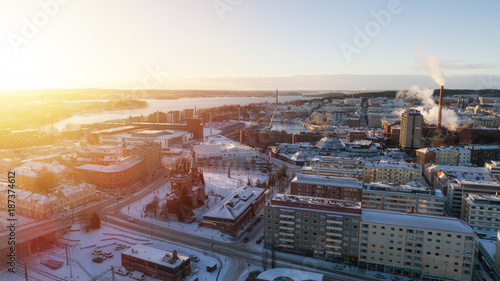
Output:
(217, 186)
(106, 239)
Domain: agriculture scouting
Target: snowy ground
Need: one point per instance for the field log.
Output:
(106, 239)
(217, 186)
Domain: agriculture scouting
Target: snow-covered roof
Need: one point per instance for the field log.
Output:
(235, 204)
(122, 165)
(412, 187)
(290, 274)
(416, 221)
(326, 180)
(153, 255)
(330, 143)
(33, 168)
(391, 164)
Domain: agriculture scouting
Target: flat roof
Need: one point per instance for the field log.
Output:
(448, 224)
(334, 181)
(153, 255)
(122, 165)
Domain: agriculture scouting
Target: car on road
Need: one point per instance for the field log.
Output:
(98, 259)
(246, 240)
(259, 219)
(397, 278)
(258, 241)
(108, 254)
(250, 229)
(194, 258)
(120, 270)
(338, 267)
(380, 275)
(96, 252)
(255, 223)
(131, 219)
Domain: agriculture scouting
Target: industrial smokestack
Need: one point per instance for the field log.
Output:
(440, 110)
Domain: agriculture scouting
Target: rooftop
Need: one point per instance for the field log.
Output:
(317, 201)
(326, 180)
(235, 204)
(416, 221)
(122, 165)
(153, 255)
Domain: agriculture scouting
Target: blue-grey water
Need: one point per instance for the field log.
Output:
(168, 105)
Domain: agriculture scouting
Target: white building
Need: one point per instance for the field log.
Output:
(482, 212)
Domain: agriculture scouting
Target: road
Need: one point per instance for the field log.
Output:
(237, 252)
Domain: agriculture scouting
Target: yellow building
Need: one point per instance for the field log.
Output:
(391, 172)
(418, 246)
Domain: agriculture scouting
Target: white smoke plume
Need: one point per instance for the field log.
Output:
(429, 109)
(434, 68)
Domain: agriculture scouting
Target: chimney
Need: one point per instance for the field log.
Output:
(440, 107)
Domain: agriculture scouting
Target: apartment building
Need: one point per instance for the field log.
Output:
(391, 172)
(316, 227)
(410, 198)
(43, 205)
(411, 129)
(457, 156)
(482, 212)
(417, 246)
(327, 187)
(413, 245)
(344, 167)
(460, 189)
(494, 168)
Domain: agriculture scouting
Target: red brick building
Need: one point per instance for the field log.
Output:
(235, 210)
(327, 187)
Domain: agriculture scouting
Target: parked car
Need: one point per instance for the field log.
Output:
(259, 219)
(246, 240)
(108, 254)
(397, 278)
(131, 219)
(250, 229)
(380, 275)
(97, 259)
(96, 252)
(194, 258)
(255, 223)
(137, 275)
(338, 267)
(120, 270)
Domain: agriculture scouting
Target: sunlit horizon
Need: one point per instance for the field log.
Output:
(254, 45)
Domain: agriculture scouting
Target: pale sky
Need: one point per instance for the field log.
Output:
(247, 44)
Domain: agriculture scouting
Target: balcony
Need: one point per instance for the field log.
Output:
(286, 222)
(286, 246)
(281, 239)
(287, 216)
(286, 228)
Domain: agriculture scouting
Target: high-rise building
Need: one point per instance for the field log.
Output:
(411, 129)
